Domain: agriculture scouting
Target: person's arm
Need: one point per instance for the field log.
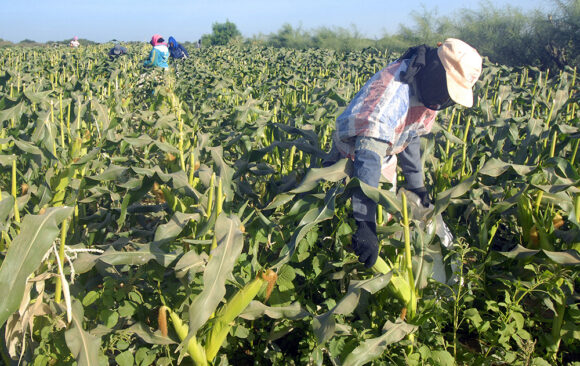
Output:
(184, 51)
(151, 59)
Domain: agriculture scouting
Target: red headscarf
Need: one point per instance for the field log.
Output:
(157, 40)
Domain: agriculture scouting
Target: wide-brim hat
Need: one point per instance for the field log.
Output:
(462, 65)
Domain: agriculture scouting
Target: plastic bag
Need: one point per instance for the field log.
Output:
(434, 225)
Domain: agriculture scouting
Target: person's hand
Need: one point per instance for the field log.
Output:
(423, 195)
(365, 243)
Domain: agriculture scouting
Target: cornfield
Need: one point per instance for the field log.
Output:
(184, 217)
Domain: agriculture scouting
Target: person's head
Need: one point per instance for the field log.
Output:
(449, 74)
(171, 42)
(157, 40)
(76, 38)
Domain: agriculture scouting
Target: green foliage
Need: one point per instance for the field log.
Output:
(222, 34)
(5, 43)
(505, 35)
(338, 38)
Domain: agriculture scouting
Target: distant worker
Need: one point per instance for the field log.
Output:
(117, 51)
(176, 50)
(75, 42)
(159, 54)
(198, 44)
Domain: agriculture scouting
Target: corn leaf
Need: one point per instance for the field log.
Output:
(444, 198)
(230, 243)
(309, 221)
(84, 346)
(567, 257)
(324, 325)
(13, 112)
(147, 335)
(385, 198)
(6, 160)
(333, 173)
(495, 168)
(374, 347)
(257, 309)
(171, 230)
(6, 206)
(191, 262)
(25, 255)
(143, 254)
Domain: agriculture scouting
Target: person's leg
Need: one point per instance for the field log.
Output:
(368, 158)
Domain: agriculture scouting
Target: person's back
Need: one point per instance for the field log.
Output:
(117, 51)
(159, 55)
(74, 43)
(176, 50)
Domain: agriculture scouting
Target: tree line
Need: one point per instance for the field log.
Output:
(505, 35)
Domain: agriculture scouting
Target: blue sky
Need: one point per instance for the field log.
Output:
(132, 20)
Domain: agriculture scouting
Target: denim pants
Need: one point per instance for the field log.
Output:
(368, 156)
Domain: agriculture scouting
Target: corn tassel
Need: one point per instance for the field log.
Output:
(218, 209)
(192, 169)
(210, 195)
(219, 198)
(16, 212)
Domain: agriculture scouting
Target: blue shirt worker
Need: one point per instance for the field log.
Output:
(389, 114)
(159, 54)
(117, 51)
(176, 50)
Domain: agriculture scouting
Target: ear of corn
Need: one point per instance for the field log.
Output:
(399, 285)
(381, 266)
(196, 351)
(403, 287)
(525, 218)
(228, 313)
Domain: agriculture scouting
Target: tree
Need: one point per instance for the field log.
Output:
(427, 28)
(563, 27)
(222, 34)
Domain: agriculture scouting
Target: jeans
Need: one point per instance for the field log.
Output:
(369, 154)
(368, 157)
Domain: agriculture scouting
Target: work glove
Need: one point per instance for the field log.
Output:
(365, 243)
(423, 195)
